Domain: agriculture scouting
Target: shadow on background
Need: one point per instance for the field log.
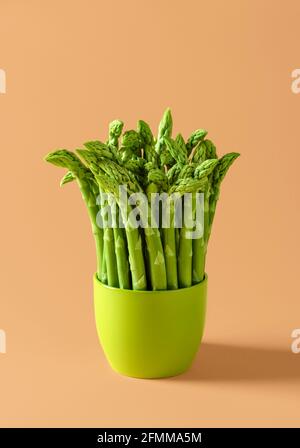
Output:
(217, 362)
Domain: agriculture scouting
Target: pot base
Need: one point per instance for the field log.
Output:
(154, 377)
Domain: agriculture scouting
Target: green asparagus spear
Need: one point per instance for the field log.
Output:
(203, 170)
(86, 182)
(170, 252)
(115, 131)
(147, 141)
(196, 137)
(68, 177)
(219, 173)
(109, 246)
(121, 254)
(164, 130)
(178, 151)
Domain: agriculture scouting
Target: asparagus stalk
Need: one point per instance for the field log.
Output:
(111, 272)
(147, 141)
(219, 173)
(157, 265)
(164, 130)
(100, 149)
(170, 251)
(173, 173)
(103, 276)
(155, 253)
(156, 180)
(211, 152)
(115, 131)
(180, 156)
(200, 247)
(203, 170)
(185, 258)
(131, 146)
(178, 151)
(67, 178)
(196, 137)
(110, 258)
(86, 183)
(121, 255)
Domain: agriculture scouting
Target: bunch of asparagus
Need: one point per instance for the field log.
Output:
(147, 257)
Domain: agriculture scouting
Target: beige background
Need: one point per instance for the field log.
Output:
(74, 65)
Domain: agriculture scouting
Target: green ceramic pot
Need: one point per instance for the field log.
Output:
(150, 334)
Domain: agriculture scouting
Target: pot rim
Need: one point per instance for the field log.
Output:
(147, 291)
